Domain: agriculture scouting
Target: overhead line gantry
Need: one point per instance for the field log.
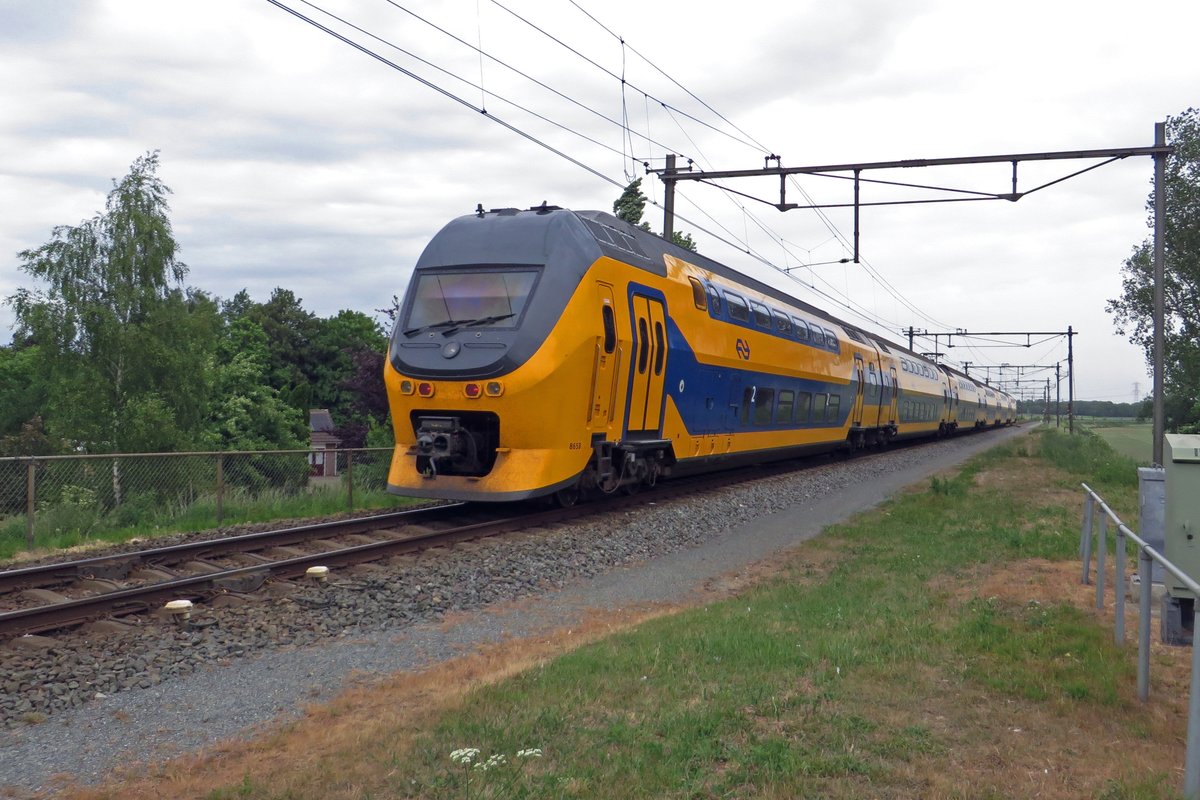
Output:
(672, 174)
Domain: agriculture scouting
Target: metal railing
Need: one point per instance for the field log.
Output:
(1147, 555)
(83, 492)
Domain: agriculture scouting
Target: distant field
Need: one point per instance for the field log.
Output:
(1135, 441)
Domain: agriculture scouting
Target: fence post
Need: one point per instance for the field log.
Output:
(1101, 553)
(349, 481)
(1145, 575)
(30, 504)
(220, 487)
(1085, 540)
(1119, 589)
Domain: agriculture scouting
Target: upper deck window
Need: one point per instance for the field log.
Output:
(475, 297)
(762, 317)
(737, 307)
(782, 323)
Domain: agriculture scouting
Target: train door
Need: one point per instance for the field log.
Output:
(856, 417)
(607, 362)
(894, 391)
(649, 365)
(871, 410)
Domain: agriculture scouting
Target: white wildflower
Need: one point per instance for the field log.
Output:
(494, 761)
(533, 752)
(465, 755)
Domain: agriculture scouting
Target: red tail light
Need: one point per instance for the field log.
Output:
(425, 389)
(472, 390)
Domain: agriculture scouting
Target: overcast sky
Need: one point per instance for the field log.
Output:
(298, 161)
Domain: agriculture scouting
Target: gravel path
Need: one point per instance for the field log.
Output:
(91, 703)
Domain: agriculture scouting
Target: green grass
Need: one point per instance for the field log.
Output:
(69, 524)
(1133, 440)
(772, 693)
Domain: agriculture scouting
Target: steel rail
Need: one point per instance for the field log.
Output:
(119, 564)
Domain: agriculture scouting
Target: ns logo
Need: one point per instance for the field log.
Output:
(743, 349)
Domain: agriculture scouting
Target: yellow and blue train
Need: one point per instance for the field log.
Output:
(553, 352)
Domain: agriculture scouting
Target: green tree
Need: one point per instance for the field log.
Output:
(631, 205)
(123, 347)
(342, 342)
(1133, 310)
(247, 412)
(22, 387)
(292, 356)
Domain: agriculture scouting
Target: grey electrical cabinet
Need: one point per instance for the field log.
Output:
(1182, 534)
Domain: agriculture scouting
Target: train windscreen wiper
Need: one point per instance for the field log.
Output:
(451, 325)
(486, 320)
(446, 323)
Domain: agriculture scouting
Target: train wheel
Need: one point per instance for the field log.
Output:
(566, 498)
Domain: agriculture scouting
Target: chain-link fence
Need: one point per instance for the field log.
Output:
(58, 500)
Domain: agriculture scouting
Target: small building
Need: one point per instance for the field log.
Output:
(322, 461)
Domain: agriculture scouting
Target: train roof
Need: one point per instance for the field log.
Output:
(551, 235)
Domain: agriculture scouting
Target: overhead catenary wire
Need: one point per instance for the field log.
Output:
(614, 76)
(482, 55)
(730, 239)
(445, 92)
(872, 272)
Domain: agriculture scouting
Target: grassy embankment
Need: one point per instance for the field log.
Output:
(80, 522)
(938, 647)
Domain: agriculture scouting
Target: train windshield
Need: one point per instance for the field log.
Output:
(468, 298)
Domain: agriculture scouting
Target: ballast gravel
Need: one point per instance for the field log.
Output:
(89, 703)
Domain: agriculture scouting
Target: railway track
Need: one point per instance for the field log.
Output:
(58, 596)
(53, 597)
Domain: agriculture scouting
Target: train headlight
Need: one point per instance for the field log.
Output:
(407, 387)
(494, 388)
(425, 389)
(472, 390)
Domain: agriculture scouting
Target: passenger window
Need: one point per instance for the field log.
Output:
(782, 324)
(747, 401)
(801, 329)
(831, 341)
(714, 300)
(644, 345)
(803, 405)
(763, 406)
(698, 294)
(818, 338)
(661, 352)
(737, 308)
(787, 400)
(610, 329)
(831, 410)
(819, 407)
(762, 317)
